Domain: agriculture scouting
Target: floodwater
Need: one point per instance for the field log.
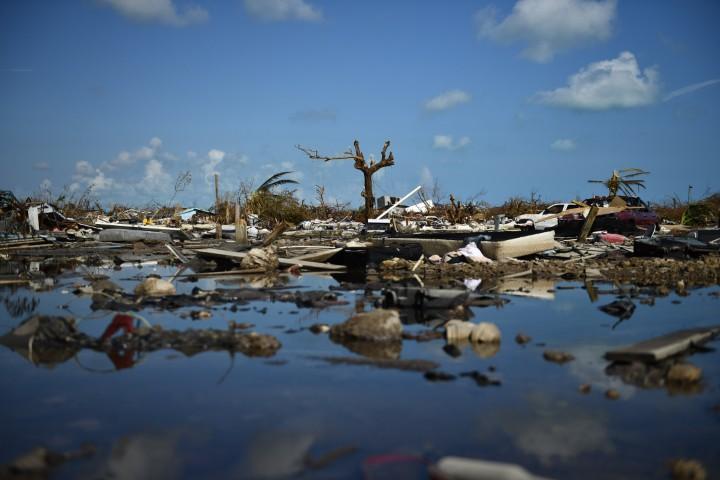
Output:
(164, 415)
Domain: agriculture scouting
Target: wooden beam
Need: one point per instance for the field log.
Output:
(587, 225)
(288, 262)
(218, 223)
(660, 348)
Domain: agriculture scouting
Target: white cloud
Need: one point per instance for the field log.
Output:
(100, 182)
(126, 159)
(92, 177)
(548, 26)
(46, 185)
(447, 142)
(617, 83)
(84, 168)
(161, 11)
(41, 166)
(563, 145)
(449, 99)
(690, 89)
(209, 167)
(156, 179)
(280, 10)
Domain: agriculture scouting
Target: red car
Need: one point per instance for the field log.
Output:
(630, 220)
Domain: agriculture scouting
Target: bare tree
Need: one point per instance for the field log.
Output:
(181, 182)
(368, 170)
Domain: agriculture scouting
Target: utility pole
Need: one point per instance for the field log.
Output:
(218, 223)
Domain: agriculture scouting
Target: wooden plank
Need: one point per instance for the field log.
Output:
(25, 247)
(182, 258)
(238, 256)
(585, 230)
(665, 346)
(289, 262)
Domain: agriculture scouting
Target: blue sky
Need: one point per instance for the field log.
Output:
(497, 97)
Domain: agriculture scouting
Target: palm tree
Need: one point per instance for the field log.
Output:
(274, 181)
(623, 181)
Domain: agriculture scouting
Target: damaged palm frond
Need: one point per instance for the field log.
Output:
(275, 181)
(622, 181)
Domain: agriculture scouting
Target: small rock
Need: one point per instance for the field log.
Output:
(522, 339)
(684, 373)
(434, 376)
(452, 350)
(378, 325)
(687, 469)
(481, 379)
(458, 330)
(435, 259)
(612, 394)
(485, 332)
(200, 314)
(557, 356)
(317, 328)
(155, 287)
(585, 388)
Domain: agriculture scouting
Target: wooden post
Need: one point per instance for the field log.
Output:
(240, 226)
(585, 230)
(276, 232)
(218, 223)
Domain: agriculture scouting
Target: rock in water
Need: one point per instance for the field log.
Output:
(380, 325)
(458, 330)
(155, 287)
(687, 469)
(265, 258)
(684, 373)
(557, 356)
(485, 332)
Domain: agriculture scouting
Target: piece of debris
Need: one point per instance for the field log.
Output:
(392, 364)
(317, 328)
(687, 469)
(154, 287)
(458, 468)
(481, 379)
(622, 309)
(612, 394)
(485, 332)
(39, 462)
(458, 330)
(379, 325)
(684, 373)
(522, 339)
(665, 346)
(200, 314)
(585, 388)
(557, 356)
(435, 376)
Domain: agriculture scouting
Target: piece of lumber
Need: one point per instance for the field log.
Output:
(238, 256)
(665, 346)
(587, 225)
(182, 258)
(276, 232)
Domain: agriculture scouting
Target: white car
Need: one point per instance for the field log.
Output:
(530, 220)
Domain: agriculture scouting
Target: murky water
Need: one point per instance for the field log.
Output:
(165, 415)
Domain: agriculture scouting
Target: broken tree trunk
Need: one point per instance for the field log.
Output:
(368, 170)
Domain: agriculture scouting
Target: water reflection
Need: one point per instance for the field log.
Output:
(552, 430)
(145, 456)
